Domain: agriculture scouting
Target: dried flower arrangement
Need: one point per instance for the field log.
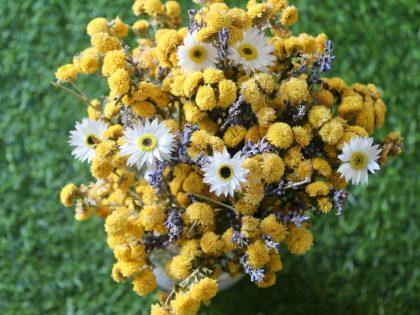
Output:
(217, 143)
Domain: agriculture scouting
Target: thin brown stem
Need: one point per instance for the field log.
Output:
(71, 92)
(214, 201)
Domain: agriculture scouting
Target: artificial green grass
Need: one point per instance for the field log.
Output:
(365, 262)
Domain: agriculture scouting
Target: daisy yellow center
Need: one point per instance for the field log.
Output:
(91, 140)
(147, 142)
(359, 160)
(197, 53)
(248, 51)
(225, 172)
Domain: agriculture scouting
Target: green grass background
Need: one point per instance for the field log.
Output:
(366, 262)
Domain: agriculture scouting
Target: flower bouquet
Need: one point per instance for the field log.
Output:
(216, 145)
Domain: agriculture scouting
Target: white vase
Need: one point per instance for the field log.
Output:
(159, 259)
(225, 281)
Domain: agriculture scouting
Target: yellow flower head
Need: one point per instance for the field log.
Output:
(299, 240)
(68, 194)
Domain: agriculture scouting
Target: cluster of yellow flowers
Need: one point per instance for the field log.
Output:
(217, 142)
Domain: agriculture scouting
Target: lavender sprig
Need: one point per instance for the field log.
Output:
(292, 217)
(202, 160)
(302, 66)
(180, 153)
(256, 275)
(193, 22)
(326, 58)
(239, 239)
(339, 198)
(128, 118)
(174, 223)
(223, 48)
(321, 64)
(239, 113)
(251, 149)
(155, 176)
(152, 242)
(270, 244)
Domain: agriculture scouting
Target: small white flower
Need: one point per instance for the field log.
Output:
(223, 173)
(254, 52)
(147, 143)
(359, 157)
(85, 137)
(195, 55)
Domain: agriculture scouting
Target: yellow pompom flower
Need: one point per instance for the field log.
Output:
(113, 132)
(350, 105)
(226, 238)
(271, 227)
(257, 254)
(191, 249)
(192, 112)
(250, 226)
(154, 7)
(89, 61)
(289, 16)
(269, 280)
(191, 83)
(317, 188)
(324, 204)
(66, 73)
(324, 97)
(68, 194)
(179, 267)
(156, 309)
(321, 166)
(332, 131)
(200, 212)
(295, 91)
(101, 169)
(98, 25)
(172, 9)
(318, 115)
(280, 135)
(113, 61)
(227, 93)
(119, 82)
(212, 76)
(302, 136)
(103, 42)
(145, 282)
(272, 167)
(120, 28)
(293, 156)
(245, 208)
(152, 216)
(141, 26)
(193, 183)
(185, 304)
(204, 290)
(211, 244)
(275, 264)
(205, 98)
(234, 135)
(299, 240)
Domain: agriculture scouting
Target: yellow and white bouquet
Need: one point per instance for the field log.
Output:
(217, 143)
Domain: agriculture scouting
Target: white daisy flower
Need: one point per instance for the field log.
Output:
(147, 143)
(359, 157)
(85, 137)
(195, 55)
(223, 173)
(253, 52)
